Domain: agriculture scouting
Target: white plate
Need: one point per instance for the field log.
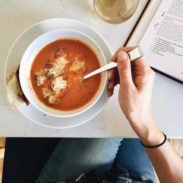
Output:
(19, 47)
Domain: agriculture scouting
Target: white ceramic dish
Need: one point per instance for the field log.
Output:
(32, 51)
(15, 55)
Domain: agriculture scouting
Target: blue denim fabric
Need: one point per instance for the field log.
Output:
(133, 157)
(73, 157)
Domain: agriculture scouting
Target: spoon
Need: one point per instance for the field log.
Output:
(133, 55)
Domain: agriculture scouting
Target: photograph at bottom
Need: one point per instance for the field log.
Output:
(87, 160)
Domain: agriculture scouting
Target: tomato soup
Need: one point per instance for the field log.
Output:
(57, 74)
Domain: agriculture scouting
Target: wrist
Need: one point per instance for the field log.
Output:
(156, 145)
(148, 131)
(152, 136)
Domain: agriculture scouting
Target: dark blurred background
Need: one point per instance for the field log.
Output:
(25, 158)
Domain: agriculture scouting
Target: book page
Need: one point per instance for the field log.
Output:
(162, 42)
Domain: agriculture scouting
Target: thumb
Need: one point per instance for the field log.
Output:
(124, 69)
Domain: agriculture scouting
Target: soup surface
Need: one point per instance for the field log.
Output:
(57, 74)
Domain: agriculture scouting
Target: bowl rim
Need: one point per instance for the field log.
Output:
(40, 105)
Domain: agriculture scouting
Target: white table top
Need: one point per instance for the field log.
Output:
(17, 15)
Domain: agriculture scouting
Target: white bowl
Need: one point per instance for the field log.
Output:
(29, 56)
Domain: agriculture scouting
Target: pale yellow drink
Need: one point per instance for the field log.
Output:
(115, 11)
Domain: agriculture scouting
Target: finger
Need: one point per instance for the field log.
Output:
(140, 66)
(124, 69)
(109, 93)
(125, 49)
(110, 88)
(110, 85)
(111, 74)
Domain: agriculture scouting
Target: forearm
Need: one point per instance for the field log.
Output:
(167, 163)
(136, 82)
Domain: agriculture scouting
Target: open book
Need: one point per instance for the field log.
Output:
(160, 34)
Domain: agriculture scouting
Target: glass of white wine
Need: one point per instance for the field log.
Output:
(115, 11)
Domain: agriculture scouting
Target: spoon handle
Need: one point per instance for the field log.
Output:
(110, 65)
(133, 55)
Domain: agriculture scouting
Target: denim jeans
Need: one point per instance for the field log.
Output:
(77, 156)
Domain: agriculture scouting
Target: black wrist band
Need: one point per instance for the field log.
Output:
(155, 146)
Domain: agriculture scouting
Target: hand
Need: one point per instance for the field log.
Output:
(136, 82)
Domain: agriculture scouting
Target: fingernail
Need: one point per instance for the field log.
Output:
(122, 56)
